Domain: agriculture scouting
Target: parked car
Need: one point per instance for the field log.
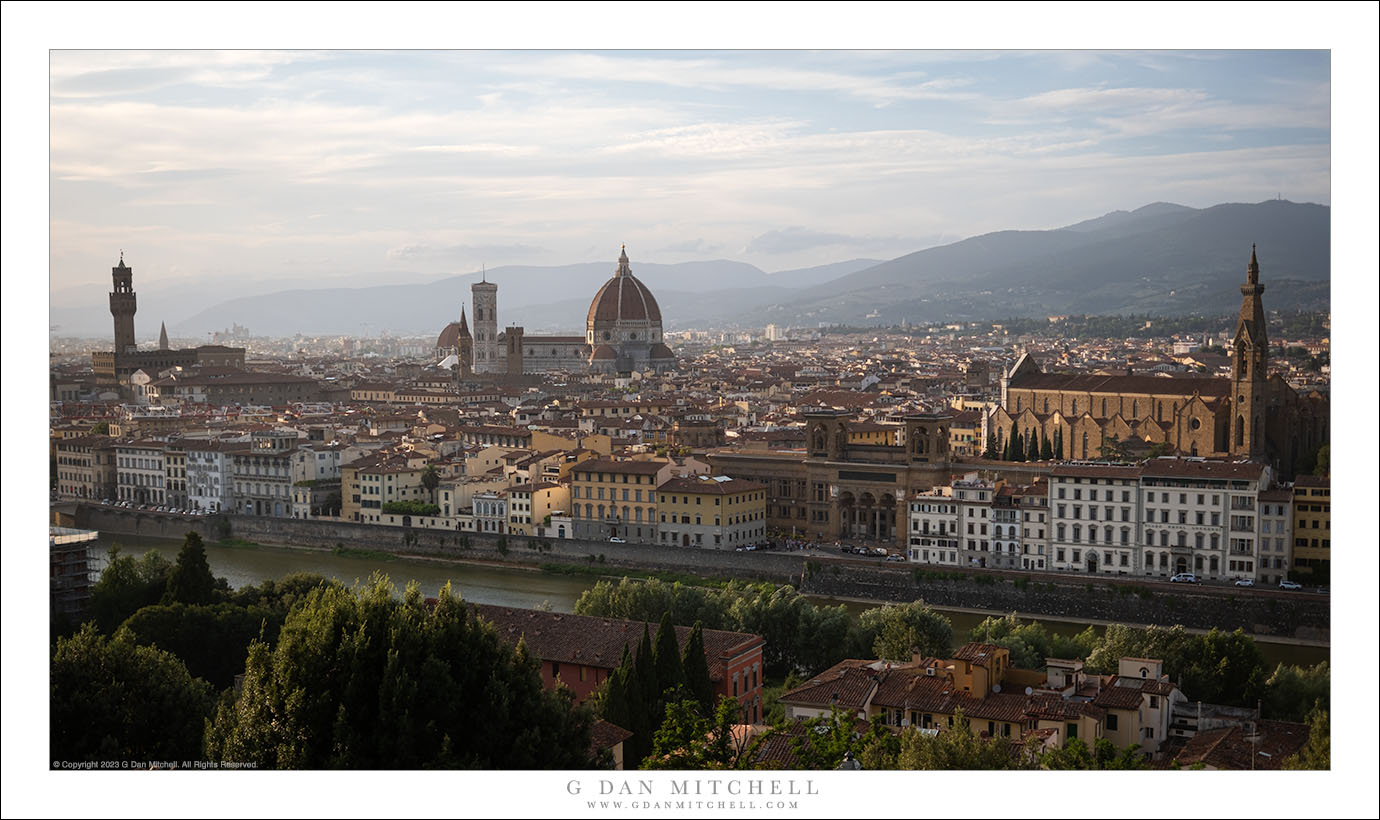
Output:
(1322, 590)
(896, 557)
(1287, 584)
(616, 540)
(1183, 578)
(1244, 582)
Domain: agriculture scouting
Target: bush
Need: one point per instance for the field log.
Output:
(411, 508)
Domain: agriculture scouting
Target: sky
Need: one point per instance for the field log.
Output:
(355, 167)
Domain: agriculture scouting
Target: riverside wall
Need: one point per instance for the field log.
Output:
(1261, 612)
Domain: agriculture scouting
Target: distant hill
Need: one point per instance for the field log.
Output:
(1163, 258)
(542, 299)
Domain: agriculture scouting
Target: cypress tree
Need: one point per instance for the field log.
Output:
(697, 669)
(1032, 452)
(992, 446)
(1046, 449)
(191, 581)
(670, 674)
(644, 665)
(1017, 446)
(1059, 443)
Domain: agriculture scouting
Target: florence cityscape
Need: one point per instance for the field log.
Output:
(697, 430)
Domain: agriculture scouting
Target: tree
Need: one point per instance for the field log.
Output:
(1059, 443)
(191, 581)
(361, 679)
(1292, 692)
(686, 739)
(992, 453)
(670, 673)
(431, 479)
(1322, 464)
(1104, 755)
(1032, 450)
(111, 699)
(957, 747)
(696, 668)
(898, 631)
(1030, 642)
(212, 640)
(126, 586)
(1219, 667)
(1317, 752)
(1046, 448)
(101, 428)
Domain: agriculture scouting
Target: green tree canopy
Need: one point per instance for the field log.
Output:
(1292, 692)
(362, 680)
(111, 699)
(126, 586)
(958, 747)
(1075, 755)
(1317, 752)
(899, 630)
(211, 639)
(688, 740)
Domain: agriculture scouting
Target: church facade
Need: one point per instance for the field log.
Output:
(1252, 414)
(623, 333)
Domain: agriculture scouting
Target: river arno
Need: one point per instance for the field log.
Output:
(509, 586)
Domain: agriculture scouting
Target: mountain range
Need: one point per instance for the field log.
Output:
(1160, 259)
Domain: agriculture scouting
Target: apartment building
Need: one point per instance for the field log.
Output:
(933, 535)
(716, 512)
(1313, 526)
(617, 499)
(1093, 512)
(141, 474)
(1032, 504)
(1201, 516)
(973, 498)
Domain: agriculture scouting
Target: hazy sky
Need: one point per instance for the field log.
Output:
(320, 165)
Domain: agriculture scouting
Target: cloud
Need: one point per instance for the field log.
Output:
(701, 72)
(463, 253)
(790, 240)
(694, 246)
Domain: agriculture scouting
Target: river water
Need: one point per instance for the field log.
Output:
(509, 586)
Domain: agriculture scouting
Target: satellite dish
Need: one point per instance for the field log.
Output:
(1029, 691)
(996, 688)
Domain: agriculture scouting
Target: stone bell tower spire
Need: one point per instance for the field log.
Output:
(123, 304)
(1250, 365)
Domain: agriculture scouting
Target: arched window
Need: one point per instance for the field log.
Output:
(1085, 445)
(1135, 409)
(1104, 408)
(1075, 407)
(1240, 431)
(1046, 406)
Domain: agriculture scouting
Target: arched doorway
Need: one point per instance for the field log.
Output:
(1092, 561)
(867, 516)
(1180, 565)
(847, 514)
(685, 539)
